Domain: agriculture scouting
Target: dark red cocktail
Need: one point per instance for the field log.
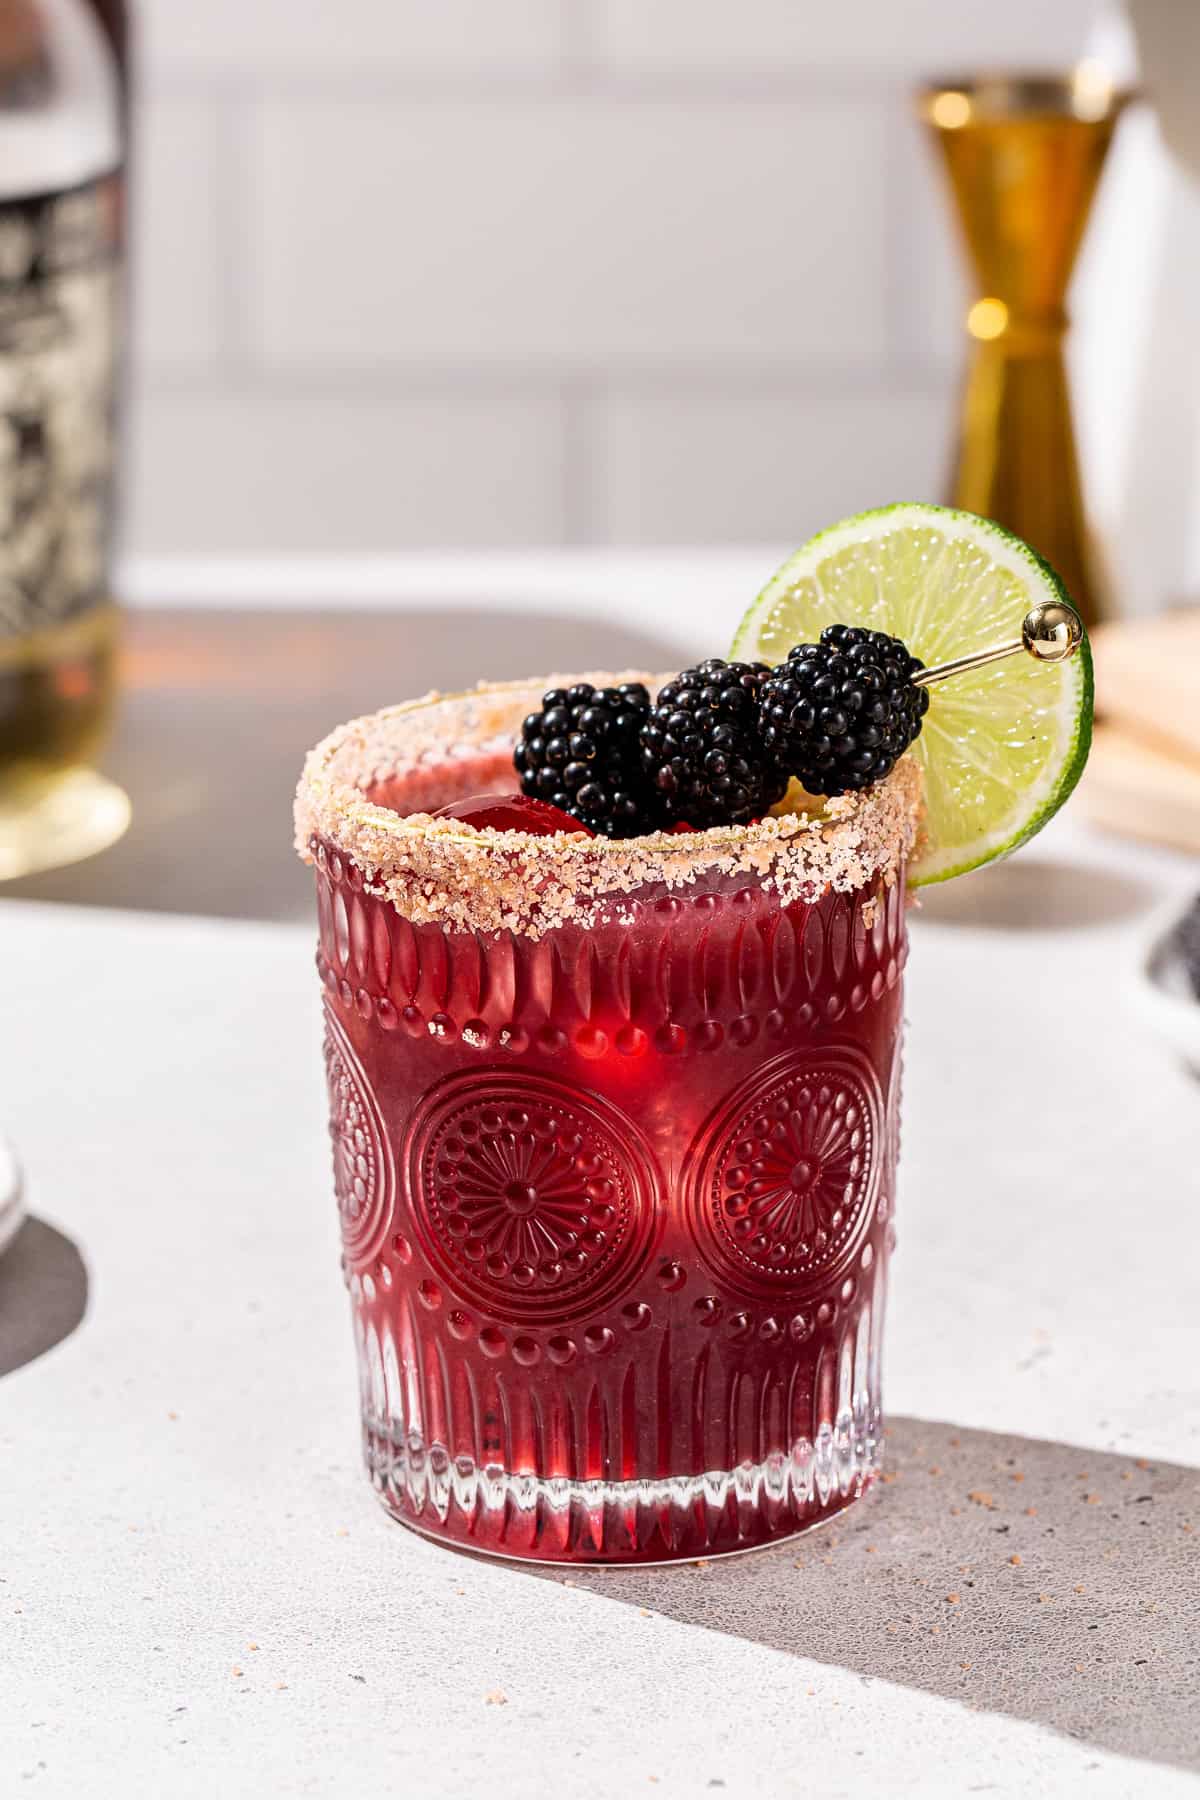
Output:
(614, 1133)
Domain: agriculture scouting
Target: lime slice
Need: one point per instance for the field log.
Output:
(1001, 747)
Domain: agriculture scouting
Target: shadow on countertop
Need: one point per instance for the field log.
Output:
(1035, 893)
(43, 1293)
(1055, 1585)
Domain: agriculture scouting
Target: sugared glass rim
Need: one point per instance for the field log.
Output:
(479, 876)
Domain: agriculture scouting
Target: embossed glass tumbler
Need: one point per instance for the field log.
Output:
(614, 1134)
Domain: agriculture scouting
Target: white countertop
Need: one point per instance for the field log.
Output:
(199, 1593)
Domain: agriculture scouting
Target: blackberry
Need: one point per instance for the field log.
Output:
(839, 713)
(581, 753)
(701, 747)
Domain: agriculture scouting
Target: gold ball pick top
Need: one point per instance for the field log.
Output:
(1050, 633)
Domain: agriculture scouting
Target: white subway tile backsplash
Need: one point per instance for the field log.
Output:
(457, 272)
(180, 256)
(236, 467)
(522, 230)
(765, 462)
(905, 37)
(278, 38)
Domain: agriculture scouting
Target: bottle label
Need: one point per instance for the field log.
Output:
(59, 314)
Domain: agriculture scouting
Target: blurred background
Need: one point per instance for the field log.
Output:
(498, 334)
(454, 273)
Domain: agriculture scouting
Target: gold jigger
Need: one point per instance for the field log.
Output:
(1024, 156)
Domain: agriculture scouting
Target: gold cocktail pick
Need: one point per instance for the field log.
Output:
(1051, 633)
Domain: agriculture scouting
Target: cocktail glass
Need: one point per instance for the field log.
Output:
(614, 1132)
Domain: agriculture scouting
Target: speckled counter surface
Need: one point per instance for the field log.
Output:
(199, 1594)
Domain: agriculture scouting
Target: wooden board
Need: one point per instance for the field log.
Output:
(1148, 678)
(1143, 777)
(1134, 787)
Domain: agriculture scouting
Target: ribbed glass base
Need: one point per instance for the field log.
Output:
(499, 1512)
